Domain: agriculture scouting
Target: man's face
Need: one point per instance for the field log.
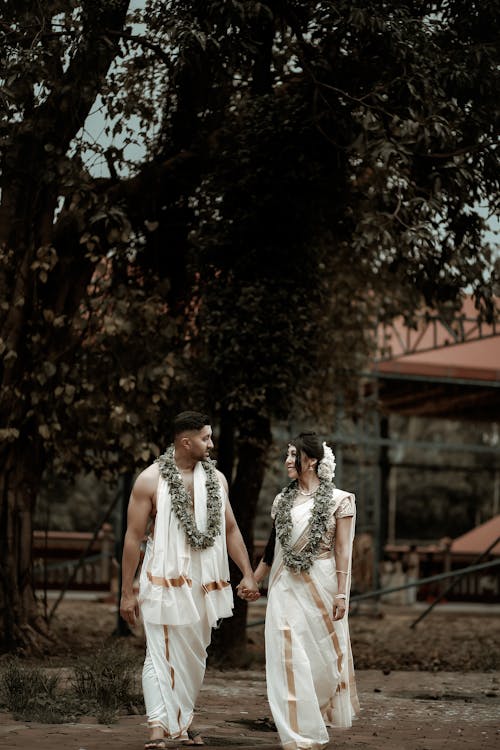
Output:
(200, 443)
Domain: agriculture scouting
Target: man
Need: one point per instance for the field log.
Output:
(184, 584)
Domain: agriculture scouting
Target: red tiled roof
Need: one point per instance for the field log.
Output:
(479, 539)
(438, 355)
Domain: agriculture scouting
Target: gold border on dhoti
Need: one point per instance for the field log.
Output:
(169, 583)
(172, 735)
(214, 586)
(167, 656)
(154, 724)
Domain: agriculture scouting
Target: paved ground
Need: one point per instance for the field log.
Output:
(400, 711)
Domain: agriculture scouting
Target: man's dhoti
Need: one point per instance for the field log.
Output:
(175, 664)
(183, 593)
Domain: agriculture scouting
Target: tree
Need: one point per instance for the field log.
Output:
(341, 193)
(55, 62)
(309, 169)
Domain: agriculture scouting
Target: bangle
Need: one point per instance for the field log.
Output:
(340, 596)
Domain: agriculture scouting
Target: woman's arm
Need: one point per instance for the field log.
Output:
(342, 562)
(262, 568)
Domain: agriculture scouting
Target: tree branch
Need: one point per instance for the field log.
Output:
(460, 151)
(68, 105)
(143, 41)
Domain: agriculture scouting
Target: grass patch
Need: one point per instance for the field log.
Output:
(108, 681)
(102, 685)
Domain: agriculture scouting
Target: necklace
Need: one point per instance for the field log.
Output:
(307, 494)
(299, 562)
(181, 502)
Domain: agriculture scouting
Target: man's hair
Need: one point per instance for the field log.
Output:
(189, 420)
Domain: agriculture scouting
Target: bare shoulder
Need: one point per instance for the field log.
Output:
(222, 479)
(147, 481)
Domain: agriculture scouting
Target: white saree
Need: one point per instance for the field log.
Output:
(182, 594)
(309, 667)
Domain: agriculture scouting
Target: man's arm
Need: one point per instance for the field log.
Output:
(247, 587)
(139, 510)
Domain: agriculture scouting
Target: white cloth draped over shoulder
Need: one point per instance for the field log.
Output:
(309, 666)
(165, 590)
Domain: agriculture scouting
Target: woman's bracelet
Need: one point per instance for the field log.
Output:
(340, 596)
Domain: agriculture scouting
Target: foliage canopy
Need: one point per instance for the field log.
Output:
(308, 169)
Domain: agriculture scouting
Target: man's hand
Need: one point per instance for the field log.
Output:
(129, 608)
(248, 588)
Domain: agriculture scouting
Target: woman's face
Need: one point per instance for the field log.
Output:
(291, 465)
(307, 464)
(291, 456)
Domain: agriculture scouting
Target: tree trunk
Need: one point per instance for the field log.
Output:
(229, 642)
(226, 445)
(21, 626)
(34, 178)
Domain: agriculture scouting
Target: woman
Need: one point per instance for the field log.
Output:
(309, 669)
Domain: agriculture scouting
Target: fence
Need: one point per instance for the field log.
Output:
(56, 554)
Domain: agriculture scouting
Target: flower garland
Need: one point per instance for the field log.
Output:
(326, 467)
(299, 562)
(181, 502)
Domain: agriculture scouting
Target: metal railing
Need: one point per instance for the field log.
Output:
(460, 573)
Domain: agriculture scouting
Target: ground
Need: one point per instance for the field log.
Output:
(434, 686)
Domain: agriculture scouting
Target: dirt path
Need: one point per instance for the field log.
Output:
(400, 711)
(439, 701)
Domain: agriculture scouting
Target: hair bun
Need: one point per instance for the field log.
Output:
(326, 467)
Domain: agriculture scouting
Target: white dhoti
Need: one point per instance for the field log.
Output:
(182, 594)
(309, 668)
(175, 664)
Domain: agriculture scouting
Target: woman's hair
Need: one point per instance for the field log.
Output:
(189, 420)
(311, 445)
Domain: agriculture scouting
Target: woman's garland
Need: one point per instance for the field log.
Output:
(299, 562)
(181, 502)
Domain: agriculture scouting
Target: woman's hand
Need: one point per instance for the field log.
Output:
(339, 607)
(248, 589)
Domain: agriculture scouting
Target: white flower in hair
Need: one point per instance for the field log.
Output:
(326, 468)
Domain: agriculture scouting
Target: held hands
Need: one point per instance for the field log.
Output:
(248, 588)
(129, 608)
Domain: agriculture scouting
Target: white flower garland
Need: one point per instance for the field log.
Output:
(326, 467)
(181, 502)
(299, 562)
